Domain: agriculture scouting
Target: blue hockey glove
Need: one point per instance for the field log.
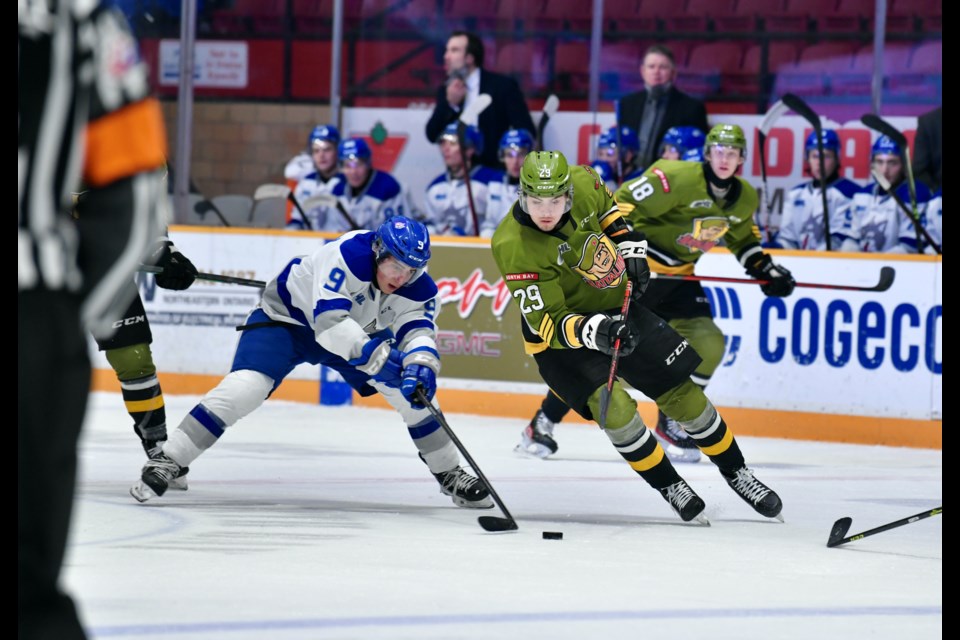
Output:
(379, 360)
(420, 367)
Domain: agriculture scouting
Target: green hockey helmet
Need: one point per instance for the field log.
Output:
(727, 135)
(545, 174)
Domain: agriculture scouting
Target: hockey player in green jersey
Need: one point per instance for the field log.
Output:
(566, 253)
(684, 209)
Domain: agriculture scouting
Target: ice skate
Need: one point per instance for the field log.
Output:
(465, 490)
(685, 502)
(678, 446)
(155, 478)
(536, 440)
(762, 498)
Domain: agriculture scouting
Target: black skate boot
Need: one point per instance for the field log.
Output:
(685, 502)
(678, 446)
(536, 439)
(154, 448)
(465, 490)
(155, 478)
(762, 498)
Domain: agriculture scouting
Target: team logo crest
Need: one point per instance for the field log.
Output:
(706, 234)
(600, 265)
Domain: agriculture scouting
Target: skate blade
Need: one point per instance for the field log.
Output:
(678, 454)
(486, 503)
(701, 520)
(532, 450)
(142, 492)
(179, 484)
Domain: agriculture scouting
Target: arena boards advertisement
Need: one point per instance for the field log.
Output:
(820, 350)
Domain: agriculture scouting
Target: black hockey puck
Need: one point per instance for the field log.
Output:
(553, 535)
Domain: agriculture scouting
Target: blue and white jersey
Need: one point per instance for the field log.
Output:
(310, 185)
(299, 167)
(935, 217)
(381, 198)
(878, 224)
(448, 209)
(802, 225)
(333, 292)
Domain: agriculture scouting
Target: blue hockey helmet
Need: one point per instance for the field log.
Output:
(406, 240)
(628, 139)
(323, 133)
(830, 139)
(887, 146)
(354, 149)
(603, 169)
(688, 141)
(471, 136)
(516, 140)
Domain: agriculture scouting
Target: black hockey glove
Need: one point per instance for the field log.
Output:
(633, 248)
(178, 272)
(780, 282)
(600, 332)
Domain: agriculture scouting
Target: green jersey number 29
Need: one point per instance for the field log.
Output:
(529, 299)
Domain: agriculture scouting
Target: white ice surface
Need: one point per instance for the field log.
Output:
(309, 522)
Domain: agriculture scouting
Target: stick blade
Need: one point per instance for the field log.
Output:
(881, 126)
(797, 104)
(472, 112)
(551, 105)
(887, 275)
(265, 191)
(320, 200)
(773, 114)
(494, 524)
(838, 531)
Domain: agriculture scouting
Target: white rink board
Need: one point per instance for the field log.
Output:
(842, 352)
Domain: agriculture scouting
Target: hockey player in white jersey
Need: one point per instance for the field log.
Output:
(802, 225)
(683, 143)
(621, 151)
(514, 147)
(362, 305)
(448, 197)
(322, 173)
(368, 196)
(935, 219)
(316, 157)
(878, 225)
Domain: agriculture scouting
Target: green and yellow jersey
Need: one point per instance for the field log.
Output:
(672, 205)
(556, 277)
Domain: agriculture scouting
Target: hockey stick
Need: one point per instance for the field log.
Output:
(887, 275)
(481, 102)
(330, 200)
(919, 228)
(773, 114)
(212, 277)
(489, 523)
(884, 128)
(841, 526)
(549, 109)
(798, 105)
(608, 389)
(616, 116)
(203, 207)
(265, 191)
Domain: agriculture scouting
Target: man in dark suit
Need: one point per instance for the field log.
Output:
(926, 158)
(466, 79)
(660, 105)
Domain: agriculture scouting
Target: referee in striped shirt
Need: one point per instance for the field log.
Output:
(85, 121)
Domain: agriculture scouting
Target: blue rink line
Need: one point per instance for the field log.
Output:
(540, 617)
